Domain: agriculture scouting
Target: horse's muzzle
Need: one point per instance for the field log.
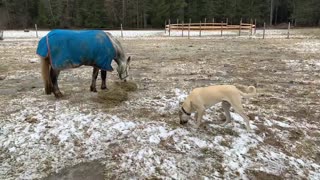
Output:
(123, 75)
(123, 78)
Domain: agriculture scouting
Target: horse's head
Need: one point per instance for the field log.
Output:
(120, 58)
(123, 68)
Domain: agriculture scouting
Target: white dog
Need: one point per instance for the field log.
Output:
(202, 98)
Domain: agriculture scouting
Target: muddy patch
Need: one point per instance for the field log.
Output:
(83, 171)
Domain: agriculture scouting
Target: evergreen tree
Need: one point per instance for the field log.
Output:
(151, 13)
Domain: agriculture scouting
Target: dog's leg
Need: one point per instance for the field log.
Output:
(239, 109)
(226, 107)
(237, 106)
(199, 113)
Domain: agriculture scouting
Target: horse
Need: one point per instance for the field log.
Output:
(65, 49)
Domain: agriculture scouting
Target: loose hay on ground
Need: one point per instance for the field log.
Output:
(117, 94)
(113, 97)
(127, 86)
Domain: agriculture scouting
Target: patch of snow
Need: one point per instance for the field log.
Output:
(14, 35)
(267, 122)
(282, 124)
(34, 60)
(235, 158)
(236, 117)
(307, 46)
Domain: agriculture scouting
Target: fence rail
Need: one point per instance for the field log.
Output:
(209, 26)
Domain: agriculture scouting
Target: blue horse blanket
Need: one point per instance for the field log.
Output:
(70, 49)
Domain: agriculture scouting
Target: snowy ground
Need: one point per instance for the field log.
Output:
(142, 137)
(269, 33)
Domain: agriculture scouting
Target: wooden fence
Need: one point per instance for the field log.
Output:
(208, 26)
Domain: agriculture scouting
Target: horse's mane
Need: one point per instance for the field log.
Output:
(119, 50)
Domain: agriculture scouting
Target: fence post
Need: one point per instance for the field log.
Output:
(36, 27)
(221, 28)
(200, 29)
(240, 27)
(264, 29)
(255, 26)
(213, 23)
(189, 28)
(251, 23)
(1, 35)
(169, 27)
(121, 31)
(165, 26)
(182, 27)
(288, 31)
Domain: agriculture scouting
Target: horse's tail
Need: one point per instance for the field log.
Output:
(45, 71)
(251, 92)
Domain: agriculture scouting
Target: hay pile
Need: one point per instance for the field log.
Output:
(128, 86)
(117, 93)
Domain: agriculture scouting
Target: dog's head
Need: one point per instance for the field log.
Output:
(184, 117)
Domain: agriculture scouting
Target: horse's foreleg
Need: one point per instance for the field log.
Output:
(54, 74)
(94, 79)
(103, 78)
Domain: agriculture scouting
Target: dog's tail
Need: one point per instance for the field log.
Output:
(251, 92)
(45, 72)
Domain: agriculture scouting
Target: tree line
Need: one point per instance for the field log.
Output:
(152, 13)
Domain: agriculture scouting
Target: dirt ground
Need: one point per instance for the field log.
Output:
(285, 114)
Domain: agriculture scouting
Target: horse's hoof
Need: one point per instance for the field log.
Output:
(48, 90)
(104, 87)
(58, 95)
(93, 89)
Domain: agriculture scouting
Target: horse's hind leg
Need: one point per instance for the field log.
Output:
(54, 74)
(94, 79)
(103, 78)
(45, 72)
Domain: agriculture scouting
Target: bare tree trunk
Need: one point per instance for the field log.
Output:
(67, 14)
(51, 12)
(8, 14)
(276, 16)
(271, 12)
(123, 11)
(144, 19)
(137, 13)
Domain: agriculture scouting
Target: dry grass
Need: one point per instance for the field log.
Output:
(117, 94)
(3, 69)
(314, 32)
(113, 97)
(260, 175)
(128, 86)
